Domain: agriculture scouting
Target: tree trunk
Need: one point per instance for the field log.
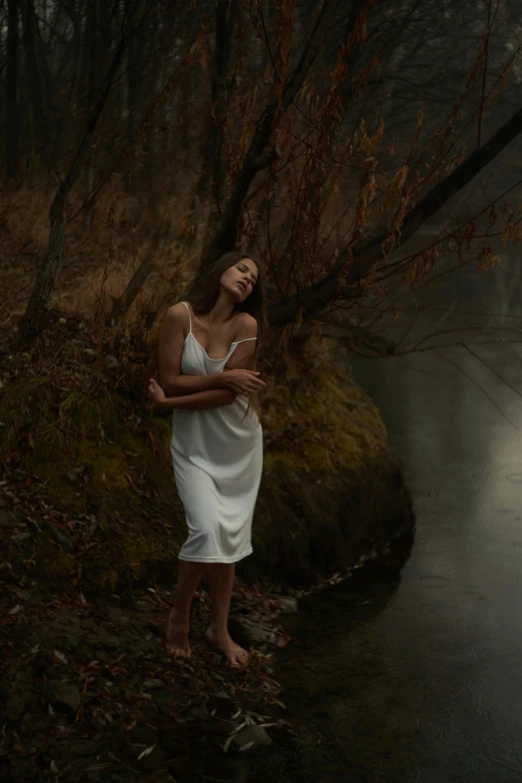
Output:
(88, 188)
(212, 174)
(256, 158)
(11, 88)
(317, 185)
(34, 317)
(121, 305)
(136, 65)
(39, 113)
(92, 66)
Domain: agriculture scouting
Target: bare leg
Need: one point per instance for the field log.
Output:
(176, 632)
(221, 577)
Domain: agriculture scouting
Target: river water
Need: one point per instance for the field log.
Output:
(417, 677)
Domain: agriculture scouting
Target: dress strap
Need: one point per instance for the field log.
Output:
(190, 317)
(246, 340)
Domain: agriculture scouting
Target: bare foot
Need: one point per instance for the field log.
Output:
(176, 635)
(236, 655)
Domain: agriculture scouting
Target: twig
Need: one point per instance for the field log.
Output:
(495, 373)
(474, 382)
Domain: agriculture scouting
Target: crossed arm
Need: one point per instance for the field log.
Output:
(196, 392)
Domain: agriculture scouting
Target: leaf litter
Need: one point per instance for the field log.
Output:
(87, 679)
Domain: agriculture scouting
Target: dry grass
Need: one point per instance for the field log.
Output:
(100, 259)
(104, 251)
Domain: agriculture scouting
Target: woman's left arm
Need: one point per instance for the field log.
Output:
(244, 354)
(241, 359)
(213, 398)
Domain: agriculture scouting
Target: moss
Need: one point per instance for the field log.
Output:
(61, 565)
(332, 487)
(325, 421)
(92, 452)
(329, 489)
(129, 556)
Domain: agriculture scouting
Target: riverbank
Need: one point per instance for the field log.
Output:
(89, 694)
(74, 414)
(92, 525)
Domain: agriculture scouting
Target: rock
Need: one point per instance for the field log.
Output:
(75, 475)
(60, 538)
(114, 614)
(6, 572)
(108, 640)
(145, 735)
(65, 696)
(198, 711)
(254, 633)
(152, 683)
(14, 707)
(251, 734)
(286, 604)
(162, 697)
(84, 652)
(71, 641)
(222, 695)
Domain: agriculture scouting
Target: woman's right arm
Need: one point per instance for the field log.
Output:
(216, 398)
(170, 351)
(174, 384)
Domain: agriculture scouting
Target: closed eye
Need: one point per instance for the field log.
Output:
(252, 277)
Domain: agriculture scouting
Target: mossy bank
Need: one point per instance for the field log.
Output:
(332, 488)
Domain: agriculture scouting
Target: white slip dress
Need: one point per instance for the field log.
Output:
(217, 456)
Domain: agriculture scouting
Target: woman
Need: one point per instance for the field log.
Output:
(207, 352)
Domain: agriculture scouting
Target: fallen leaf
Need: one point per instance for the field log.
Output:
(146, 752)
(60, 656)
(15, 609)
(227, 743)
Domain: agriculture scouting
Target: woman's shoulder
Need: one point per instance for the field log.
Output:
(246, 318)
(178, 315)
(245, 326)
(180, 308)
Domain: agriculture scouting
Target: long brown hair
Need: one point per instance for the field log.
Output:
(206, 296)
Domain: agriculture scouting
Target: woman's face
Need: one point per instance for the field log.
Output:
(240, 279)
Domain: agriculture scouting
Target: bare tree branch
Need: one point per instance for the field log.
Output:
(227, 234)
(364, 257)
